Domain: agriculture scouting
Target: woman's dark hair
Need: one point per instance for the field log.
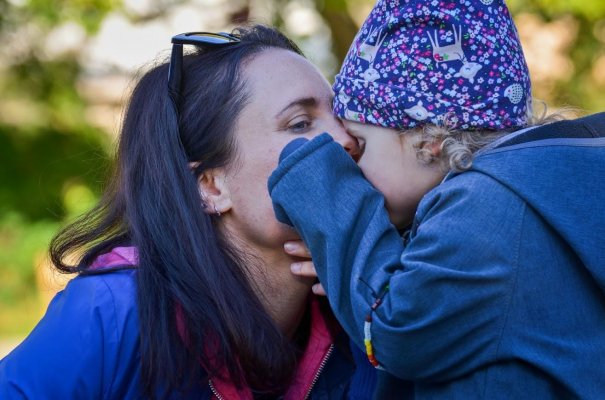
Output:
(186, 267)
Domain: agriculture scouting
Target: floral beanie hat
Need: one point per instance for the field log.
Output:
(415, 62)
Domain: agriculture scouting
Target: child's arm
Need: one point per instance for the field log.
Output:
(443, 313)
(342, 219)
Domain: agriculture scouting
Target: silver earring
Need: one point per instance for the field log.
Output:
(217, 212)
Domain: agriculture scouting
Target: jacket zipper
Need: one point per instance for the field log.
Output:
(324, 361)
(322, 365)
(218, 396)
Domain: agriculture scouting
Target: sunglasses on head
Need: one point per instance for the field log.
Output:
(208, 39)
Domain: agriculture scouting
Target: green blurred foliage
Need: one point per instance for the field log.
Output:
(52, 162)
(23, 238)
(580, 90)
(38, 165)
(591, 10)
(88, 13)
(48, 151)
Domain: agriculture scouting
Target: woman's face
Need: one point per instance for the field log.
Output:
(288, 98)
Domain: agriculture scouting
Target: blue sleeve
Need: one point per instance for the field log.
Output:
(85, 346)
(363, 382)
(444, 311)
(320, 190)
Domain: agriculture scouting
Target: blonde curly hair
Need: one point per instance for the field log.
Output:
(459, 147)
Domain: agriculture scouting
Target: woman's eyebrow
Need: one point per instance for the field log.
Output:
(306, 102)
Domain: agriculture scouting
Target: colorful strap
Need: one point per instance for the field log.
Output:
(367, 331)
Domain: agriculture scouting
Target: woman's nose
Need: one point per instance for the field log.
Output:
(348, 142)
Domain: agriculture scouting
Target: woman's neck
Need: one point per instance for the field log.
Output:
(283, 294)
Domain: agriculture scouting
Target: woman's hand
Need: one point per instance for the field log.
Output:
(298, 248)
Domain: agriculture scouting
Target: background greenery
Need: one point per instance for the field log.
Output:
(53, 157)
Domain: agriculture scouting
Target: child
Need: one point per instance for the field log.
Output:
(497, 290)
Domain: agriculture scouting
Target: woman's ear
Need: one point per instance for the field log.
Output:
(214, 191)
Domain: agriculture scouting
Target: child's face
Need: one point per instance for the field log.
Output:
(388, 160)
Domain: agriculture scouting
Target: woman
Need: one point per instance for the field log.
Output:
(183, 287)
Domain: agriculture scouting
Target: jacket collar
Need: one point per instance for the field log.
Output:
(117, 257)
(316, 353)
(323, 329)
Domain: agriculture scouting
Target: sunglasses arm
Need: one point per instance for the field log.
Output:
(174, 72)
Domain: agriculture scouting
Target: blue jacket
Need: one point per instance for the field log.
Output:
(87, 347)
(497, 292)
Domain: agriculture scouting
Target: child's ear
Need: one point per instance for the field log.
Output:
(215, 191)
(434, 148)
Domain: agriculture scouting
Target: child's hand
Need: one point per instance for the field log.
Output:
(303, 268)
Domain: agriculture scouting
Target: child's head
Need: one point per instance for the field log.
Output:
(449, 75)
(390, 162)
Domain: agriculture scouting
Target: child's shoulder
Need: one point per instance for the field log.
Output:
(465, 185)
(468, 195)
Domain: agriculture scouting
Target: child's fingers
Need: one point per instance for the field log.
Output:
(303, 268)
(297, 248)
(307, 269)
(318, 289)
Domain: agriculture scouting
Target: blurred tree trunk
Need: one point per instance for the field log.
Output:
(242, 15)
(343, 28)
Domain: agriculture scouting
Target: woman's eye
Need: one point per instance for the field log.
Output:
(299, 125)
